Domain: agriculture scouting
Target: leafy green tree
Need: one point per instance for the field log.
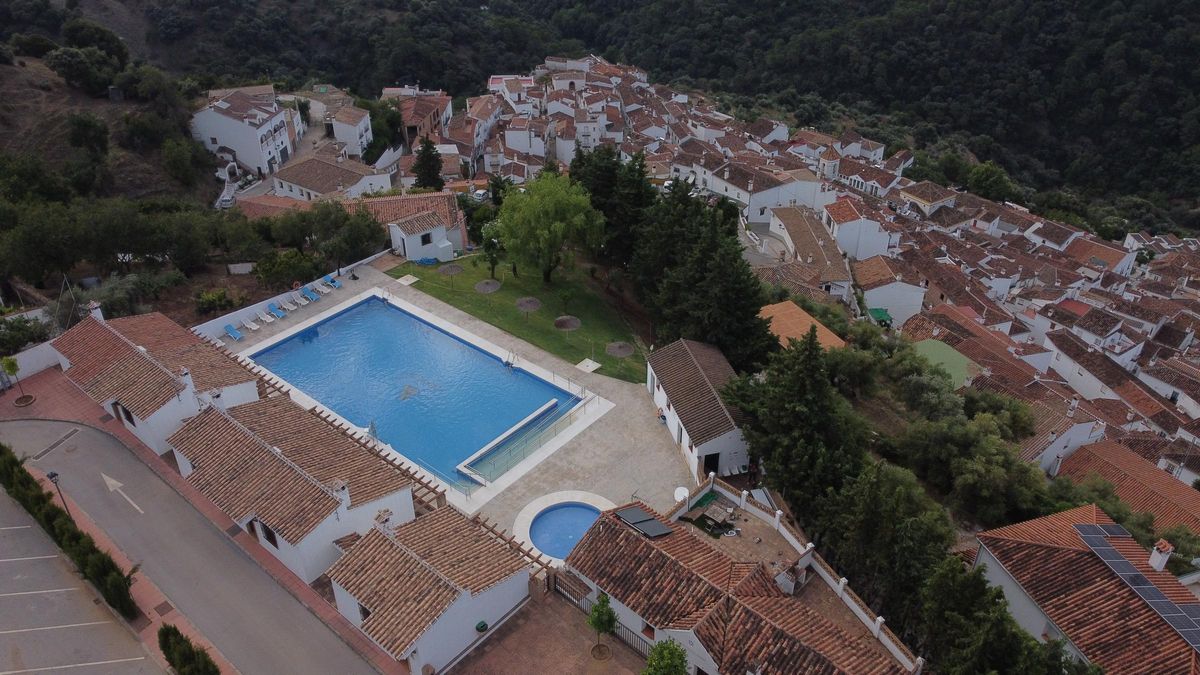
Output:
(497, 186)
(47, 240)
(887, 535)
(1014, 418)
(82, 33)
(88, 69)
(27, 178)
(427, 166)
(491, 250)
(295, 229)
(280, 269)
(356, 236)
(602, 618)
(178, 160)
(539, 226)
(990, 181)
(32, 44)
(713, 296)
(18, 331)
(666, 658)
(808, 439)
(89, 132)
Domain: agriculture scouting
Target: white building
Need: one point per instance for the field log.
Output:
(249, 127)
(149, 372)
(685, 378)
(289, 478)
(352, 126)
(890, 284)
(858, 230)
(430, 590)
(320, 177)
(421, 235)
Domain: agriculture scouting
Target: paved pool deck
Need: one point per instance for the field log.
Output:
(625, 454)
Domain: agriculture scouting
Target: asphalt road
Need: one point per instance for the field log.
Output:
(51, 620)
(253, 620)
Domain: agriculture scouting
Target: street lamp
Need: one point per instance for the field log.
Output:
(53, 476)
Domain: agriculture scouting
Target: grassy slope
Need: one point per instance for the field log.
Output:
(601, 324)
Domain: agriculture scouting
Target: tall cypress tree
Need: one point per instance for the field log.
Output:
(428, 166)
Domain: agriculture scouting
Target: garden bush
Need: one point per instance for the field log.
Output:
(182, 655)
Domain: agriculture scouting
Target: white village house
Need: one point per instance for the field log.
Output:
(249, 127)
(685, 378)
(322, 176)
(352, 126)
(421, 235)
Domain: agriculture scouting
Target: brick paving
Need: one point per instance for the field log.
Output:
(57, 398)
(548, 635)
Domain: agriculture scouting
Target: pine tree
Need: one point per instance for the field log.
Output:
(428, 166)
(713, 296)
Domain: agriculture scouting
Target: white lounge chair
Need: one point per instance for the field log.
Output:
(265, 318)
(249, 323)
(321, 287)
(300, 299)
(287, 304)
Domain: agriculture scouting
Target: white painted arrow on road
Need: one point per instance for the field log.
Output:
(115, 486)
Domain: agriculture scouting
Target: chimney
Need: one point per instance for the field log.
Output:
(342, 490)
(1160, 554)
(1073, 406)
(95, 310)
(1129, 416)
(726, 173)
(809, 260)
(185, 376)
(383, 520)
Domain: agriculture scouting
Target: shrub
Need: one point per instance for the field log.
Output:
(96, 566)
(182, 655)
(214, 300)
(6, 55)
(30, 44)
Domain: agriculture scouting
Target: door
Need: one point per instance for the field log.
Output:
(712, 463)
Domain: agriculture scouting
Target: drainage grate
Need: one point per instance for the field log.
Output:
(164, 609)
(62, 439)
(233, 530)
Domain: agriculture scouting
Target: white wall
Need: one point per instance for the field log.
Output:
(36, 359)
(1080, 379)
(233, 395)
(732, 448)
(1077, 436)
(1023, 609)
(862, 239)
(454, 631)
(314, 554)
(1189, 405)
(412, 248)
(901, 299)
(243, 138)
(356, 136)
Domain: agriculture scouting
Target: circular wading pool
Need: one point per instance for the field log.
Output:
(556, 529)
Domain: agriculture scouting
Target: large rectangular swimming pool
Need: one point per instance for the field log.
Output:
(432, 396)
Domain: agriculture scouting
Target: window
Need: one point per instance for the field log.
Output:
(269, 535)
(648, 630)
(363, 612)
(212, 140)
(426, 239)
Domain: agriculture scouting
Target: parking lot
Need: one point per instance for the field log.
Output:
(51, 620)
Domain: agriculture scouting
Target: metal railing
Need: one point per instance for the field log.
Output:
(511, 453)
(626, 634)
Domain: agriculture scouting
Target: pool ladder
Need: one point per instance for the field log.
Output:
(510, 360)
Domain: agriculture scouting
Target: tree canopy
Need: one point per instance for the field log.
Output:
(427, 166)
(539, 226)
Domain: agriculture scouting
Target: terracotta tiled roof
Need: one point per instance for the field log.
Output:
(927, 191)
(108, 366)
(1097, 611)
(743, 620)
(321, 450)
(177, 347)
(1137, 481)
(350, 115)
(267, 206)
(394, 208)
(418, 223)
(246, 478)
(816, 249)
(789, 321)
(845, 210)
(692, 374)
(1095, 252)
(880, 270)
(409, 579)
(324, 176)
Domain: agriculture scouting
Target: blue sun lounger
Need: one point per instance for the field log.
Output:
(331, 281)
(233, 332)
(274, 309)
(308, 293)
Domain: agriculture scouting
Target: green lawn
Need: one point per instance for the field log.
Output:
(600, 322)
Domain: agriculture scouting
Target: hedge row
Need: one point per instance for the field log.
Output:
(184, 656)
(97, 566)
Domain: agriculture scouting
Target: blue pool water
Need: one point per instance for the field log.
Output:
(557, 529)
(433, 397)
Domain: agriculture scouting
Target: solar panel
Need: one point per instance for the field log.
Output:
(1180, 622)
(1107, 554)
(1095, 541)
(1136, 580)
(1122, 566)
(634, 515)
(1192, 636)
(1115, 531)
(652, 528)
(1150, 593)
(1166, 607)
(1088, 529)
(1191, 610)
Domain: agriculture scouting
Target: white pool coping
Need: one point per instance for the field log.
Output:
(525, 518)
(593, 407)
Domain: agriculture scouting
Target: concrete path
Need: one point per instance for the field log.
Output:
(253, 621)
(51, 620)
